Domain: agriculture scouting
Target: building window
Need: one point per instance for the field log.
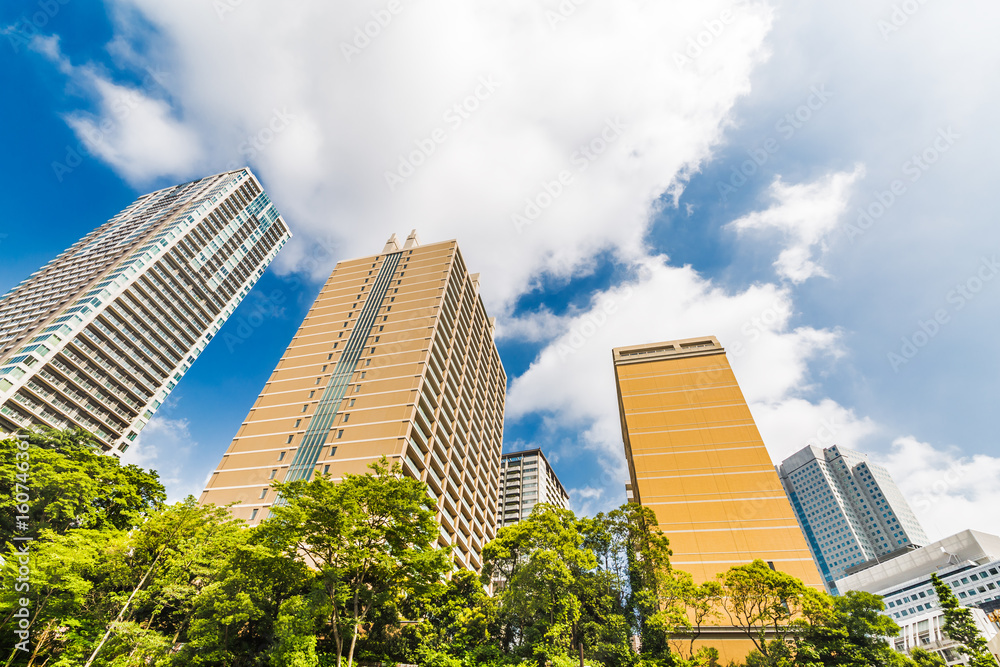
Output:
(273, 473)
(326, 470)
(297, 422)
(352, 402)
(305, 408)
(253, 515)
(288, 441)
(263, 494)
(281, 456)
(340, 434)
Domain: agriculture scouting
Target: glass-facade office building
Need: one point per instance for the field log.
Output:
(850, 509)
(99, 336)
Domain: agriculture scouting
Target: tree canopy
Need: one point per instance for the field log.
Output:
(351, 571)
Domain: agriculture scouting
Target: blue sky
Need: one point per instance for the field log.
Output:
(734, 147)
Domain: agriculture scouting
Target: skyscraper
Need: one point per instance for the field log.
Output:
(696, 459)
(849, 508)
(99, 336)
(526, 479)
(395, 358)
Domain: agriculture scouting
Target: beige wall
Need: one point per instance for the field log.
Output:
(431, 311)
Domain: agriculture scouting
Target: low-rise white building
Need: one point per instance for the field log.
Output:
(968, 562)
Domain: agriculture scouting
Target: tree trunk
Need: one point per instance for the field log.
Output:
(354, 635)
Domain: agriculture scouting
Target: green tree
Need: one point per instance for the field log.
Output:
(848, 630)
(762, 602)
(72, 485)
(234, 618)
(370, 538)
(536, 565)
(924, 658)
(960, 626)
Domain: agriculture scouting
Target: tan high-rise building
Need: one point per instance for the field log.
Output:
(396, 358)
(696, 459)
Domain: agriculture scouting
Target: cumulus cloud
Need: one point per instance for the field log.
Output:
(166, 445)
(803, 214)
(537, 136)
(948, 491)
(132, 130)
(572, 379)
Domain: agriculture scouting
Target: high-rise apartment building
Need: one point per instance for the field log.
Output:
(99, 336)
(395, 358)
(849, 508)
(696, 458)
(526, 479)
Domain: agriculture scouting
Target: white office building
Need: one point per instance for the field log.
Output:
(968, 562)
(849, 509)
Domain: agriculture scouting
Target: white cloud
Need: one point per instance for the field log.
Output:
(133, 131)
(605, 80)
(948, 491)
(804, 214)
(166, 445)
(572, 379)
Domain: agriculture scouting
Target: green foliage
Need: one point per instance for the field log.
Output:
(72, 485)
(370, 538)
(849, 630)
(924, 658)
(762, 602)
(351, 570)
(960, 626)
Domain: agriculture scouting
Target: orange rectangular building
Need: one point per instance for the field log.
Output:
(696, 458)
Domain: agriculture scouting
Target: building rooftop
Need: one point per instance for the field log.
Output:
(687, 347)
(967, 546)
